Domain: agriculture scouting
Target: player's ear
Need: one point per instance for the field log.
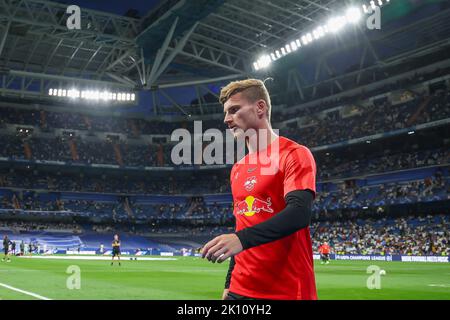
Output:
(261, 108)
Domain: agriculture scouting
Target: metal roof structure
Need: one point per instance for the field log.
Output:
(177, 43)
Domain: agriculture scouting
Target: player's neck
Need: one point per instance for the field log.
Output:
(261, 139)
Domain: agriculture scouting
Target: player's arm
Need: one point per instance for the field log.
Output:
(296, 216)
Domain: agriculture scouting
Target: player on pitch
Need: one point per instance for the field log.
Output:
(6, 244)
(324, 251)
(115, 249)
(271, 251)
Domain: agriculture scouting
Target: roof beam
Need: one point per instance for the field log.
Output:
(198, 82)
(252, 13)
(178, 48)
(4, 36)
(161, 52)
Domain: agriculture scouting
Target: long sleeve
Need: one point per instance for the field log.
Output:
(296, 216)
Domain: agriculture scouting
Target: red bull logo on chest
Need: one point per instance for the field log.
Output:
(252, 205)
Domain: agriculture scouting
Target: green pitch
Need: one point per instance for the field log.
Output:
(194, 278)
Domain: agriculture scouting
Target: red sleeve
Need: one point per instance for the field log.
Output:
(300, 171)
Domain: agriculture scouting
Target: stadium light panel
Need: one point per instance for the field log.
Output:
(304, 40)
(264, 61)
(315, 34)
(353, 15)
(321, 31)
(288, 48)
(294, 46)
(318, 33)
(336, 24)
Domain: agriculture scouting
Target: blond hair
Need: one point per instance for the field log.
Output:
(252, 89)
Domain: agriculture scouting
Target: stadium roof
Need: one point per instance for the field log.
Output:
(167, 43)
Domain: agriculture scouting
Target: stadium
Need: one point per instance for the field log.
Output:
(92, 92)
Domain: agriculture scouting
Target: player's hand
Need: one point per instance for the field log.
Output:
(225, 294)
(222, 247)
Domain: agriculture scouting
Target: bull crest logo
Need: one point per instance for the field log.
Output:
(252, 205)
(250, 183)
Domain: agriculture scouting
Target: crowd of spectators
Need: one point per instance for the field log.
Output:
(132, 127)
(411, 235)
(326, 206)
(430, 189)
(171, 184)
(20, 226)
(378, 118)
(400, 84)
(390, 160)
(58, 149)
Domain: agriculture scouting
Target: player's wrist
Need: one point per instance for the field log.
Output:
(242, 238)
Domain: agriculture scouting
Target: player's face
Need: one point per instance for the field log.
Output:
(116, 237)
(240, 114)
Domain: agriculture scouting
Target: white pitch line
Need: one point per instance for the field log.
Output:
(440, 285)
(24, 292)
(122, 258)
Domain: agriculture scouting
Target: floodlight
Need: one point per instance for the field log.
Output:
(353, 15)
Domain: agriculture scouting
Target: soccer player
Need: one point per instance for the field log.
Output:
(324, 251)
(6, 243)
(271, 251)
(115, 249)
(22, 248)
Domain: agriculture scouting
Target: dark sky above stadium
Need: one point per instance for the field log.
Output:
(119, 7)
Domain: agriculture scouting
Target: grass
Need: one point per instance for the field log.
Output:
(196, 279)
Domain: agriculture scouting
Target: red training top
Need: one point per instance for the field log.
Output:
(324, 249)
(282, 269)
